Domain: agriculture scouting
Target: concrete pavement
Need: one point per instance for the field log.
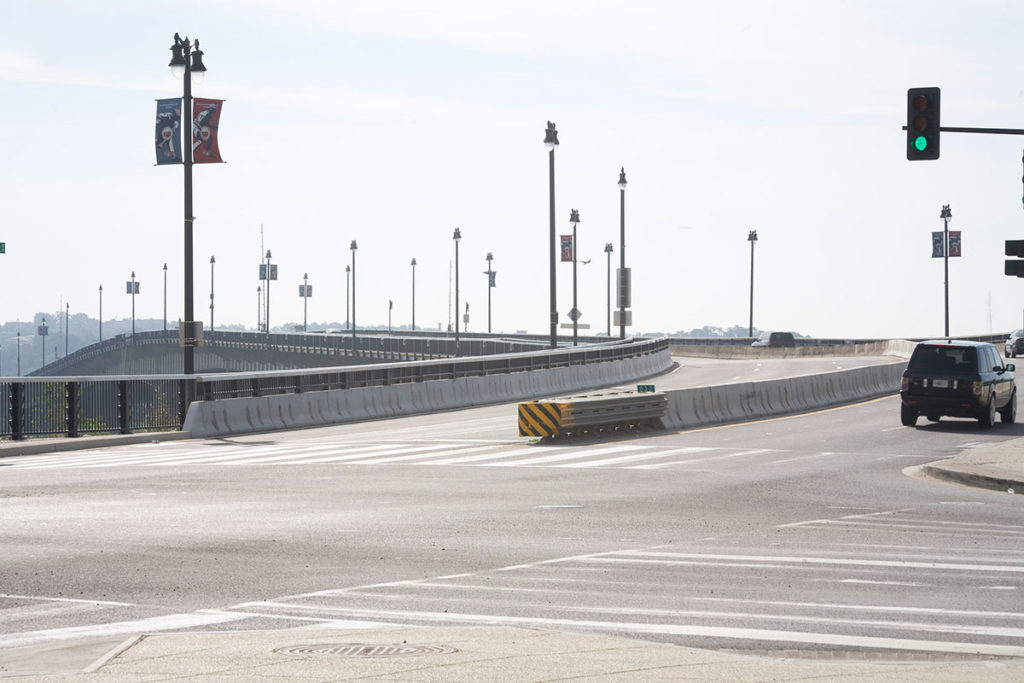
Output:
(520, 654)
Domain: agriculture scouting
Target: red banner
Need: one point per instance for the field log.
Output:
(566, 247)
(205, 122)
(954, 243)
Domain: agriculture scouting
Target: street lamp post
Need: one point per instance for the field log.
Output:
(101, 312)
(391, 305)
(266, 309)
(752, 238)
(623, 284)
(187, 63)
(348, 273)
(165, 297)
(550, 143)
(353, 247)
(133, 288)
(212, 261)
(608, 250)
(946, 215)
(490, 279)
(413, 264)
(19, 353)
(457, 236)
(305, 299)
(574, 218)
(67, 320)
(43, 331)
(259, 307)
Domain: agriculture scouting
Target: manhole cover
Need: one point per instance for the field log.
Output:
(366, 650)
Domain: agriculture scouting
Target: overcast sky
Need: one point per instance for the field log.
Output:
(392, 123)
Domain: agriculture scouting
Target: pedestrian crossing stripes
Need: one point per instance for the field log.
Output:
(469, 453)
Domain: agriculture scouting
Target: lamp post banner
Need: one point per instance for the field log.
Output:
(567, 248)
(491, 275)
(168, 131)
(937, 246)
(954, 243)
(205, 122)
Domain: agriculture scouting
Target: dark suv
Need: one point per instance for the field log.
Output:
(958, 379)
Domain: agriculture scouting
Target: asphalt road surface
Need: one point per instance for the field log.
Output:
(804, 536)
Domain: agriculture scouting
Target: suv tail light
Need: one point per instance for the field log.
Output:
(906, 384)
(976, 388)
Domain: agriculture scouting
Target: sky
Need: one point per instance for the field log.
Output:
(394, 122)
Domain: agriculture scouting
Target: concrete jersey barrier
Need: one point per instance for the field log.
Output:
(289, 411)
(700, 406)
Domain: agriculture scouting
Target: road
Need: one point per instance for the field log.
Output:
(803, 536)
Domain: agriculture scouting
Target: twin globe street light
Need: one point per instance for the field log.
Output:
(187, 64)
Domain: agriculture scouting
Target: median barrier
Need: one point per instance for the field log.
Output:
(700, 406)
(229, 416)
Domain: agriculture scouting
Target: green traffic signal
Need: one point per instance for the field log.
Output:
(923, 126)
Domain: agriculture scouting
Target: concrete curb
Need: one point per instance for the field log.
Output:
(975, 479)
(37, 446)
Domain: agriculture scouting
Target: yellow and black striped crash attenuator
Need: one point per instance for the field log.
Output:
(541, 418)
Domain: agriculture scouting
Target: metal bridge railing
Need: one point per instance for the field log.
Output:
(72, 406)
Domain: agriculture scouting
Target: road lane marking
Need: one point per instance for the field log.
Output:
(460, 450)
(802, 457)
(700, 558)
(478, 458)
(832, 606)
(639, 456)
(8, 596)
(570, 454)
(169, 622)
(882, 513)
(726, 632)
(727, 456)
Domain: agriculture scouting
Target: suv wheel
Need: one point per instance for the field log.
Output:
(1008, 415)
(989, 418)
(908, 416)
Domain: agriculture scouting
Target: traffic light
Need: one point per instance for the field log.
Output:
(1014, 248)
(922, 124)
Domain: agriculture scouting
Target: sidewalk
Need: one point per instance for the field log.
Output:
(999, 467)
(491, 654)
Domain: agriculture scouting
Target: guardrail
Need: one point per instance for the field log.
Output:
(368, 348)
(54, 406)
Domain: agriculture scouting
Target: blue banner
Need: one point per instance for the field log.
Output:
(491, 275)
(168, 131)
(938, 248)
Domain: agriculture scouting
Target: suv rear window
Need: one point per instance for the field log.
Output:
(944, 359)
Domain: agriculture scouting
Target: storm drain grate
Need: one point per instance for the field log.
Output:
(366, 650)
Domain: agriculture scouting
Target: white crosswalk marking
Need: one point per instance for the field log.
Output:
(481, 453)
(569, 454)
(632, 458)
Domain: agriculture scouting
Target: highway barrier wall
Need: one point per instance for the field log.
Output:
(899, 347)
(229, 416)
(701, 406)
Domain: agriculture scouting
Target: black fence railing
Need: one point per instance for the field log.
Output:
(92, 405)
(72, 406)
